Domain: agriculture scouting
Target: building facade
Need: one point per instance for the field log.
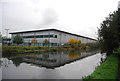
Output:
(54, 36)
(6, 41)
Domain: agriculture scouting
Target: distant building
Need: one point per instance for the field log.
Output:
(6, 41)
(54, 36)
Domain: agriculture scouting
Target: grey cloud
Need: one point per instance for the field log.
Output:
(49, 17)
(35, 1)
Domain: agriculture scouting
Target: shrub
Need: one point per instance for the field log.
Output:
(117, 51)
(18, 39)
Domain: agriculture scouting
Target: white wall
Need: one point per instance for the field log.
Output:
(61, 37)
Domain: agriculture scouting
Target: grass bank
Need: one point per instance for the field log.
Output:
(36, 49)
(107, 70)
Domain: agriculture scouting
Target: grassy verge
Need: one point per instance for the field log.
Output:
(107, 70)
(34, 49)
(119, 68)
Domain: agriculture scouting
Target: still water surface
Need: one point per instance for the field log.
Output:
(57, 65)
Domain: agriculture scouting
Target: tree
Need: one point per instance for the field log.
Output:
(46, 42)
(72, 41)
(18, 39)
(78, 42)
(109, 33)
(34, 40)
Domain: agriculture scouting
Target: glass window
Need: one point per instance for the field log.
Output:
(45, 36)
(41, 36)
(51, 36)
(55, 36)
(37, 36)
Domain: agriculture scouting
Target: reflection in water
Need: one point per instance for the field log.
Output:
(73, 56)
(51, 60)
(57, 65)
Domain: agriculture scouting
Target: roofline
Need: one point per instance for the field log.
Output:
(52, 30)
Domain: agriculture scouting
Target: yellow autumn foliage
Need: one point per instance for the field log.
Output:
(78, 41)
(73, 56)
(74, 41)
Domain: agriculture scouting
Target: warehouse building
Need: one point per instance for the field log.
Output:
(54, 36)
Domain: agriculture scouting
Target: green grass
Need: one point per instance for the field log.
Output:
(107, 70)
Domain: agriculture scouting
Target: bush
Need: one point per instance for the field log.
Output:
(74, 43)
(117, 51)
(93, 45)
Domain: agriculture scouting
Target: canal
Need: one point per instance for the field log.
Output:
(51, 65)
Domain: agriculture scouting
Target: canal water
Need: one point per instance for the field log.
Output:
(52, 65)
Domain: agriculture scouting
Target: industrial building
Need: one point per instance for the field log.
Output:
(54, 36)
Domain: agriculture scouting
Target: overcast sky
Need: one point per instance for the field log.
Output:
(81, 17)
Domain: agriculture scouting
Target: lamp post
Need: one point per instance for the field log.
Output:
(7, 32)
